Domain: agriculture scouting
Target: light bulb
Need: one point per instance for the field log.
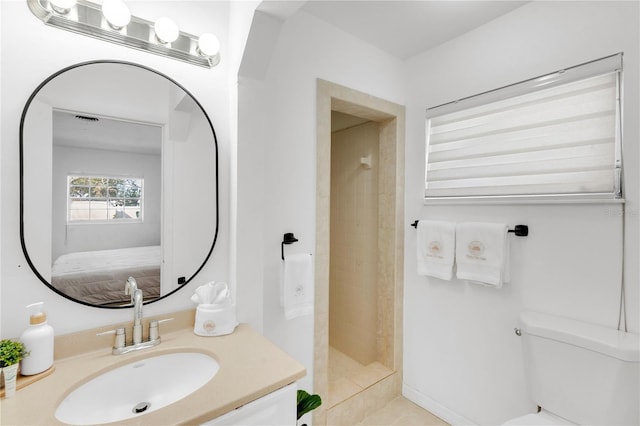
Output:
(116, 13)
(166, 30)
(208, 45)
(62, 6)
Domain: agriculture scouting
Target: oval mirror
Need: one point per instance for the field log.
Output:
(118, 178)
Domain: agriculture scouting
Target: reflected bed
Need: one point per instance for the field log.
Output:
(98, 277)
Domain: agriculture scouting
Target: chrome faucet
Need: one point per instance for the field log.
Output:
(120, 346)
(131, 288)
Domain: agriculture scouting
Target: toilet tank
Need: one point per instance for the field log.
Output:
(585, 373)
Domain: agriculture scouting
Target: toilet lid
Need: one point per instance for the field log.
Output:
(542, 418)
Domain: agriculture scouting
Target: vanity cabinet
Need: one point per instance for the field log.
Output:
(275, 409)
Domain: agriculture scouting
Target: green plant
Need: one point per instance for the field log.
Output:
(11, 352)
(307, 402)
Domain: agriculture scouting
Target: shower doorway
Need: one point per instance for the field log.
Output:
(359, 237)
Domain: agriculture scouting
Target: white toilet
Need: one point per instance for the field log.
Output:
(579, 373)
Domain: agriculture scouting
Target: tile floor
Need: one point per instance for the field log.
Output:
(402, 412)
(348, 377)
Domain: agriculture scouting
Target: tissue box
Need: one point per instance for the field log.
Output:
(215, 320)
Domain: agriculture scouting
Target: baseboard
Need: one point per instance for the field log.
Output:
(434, 407)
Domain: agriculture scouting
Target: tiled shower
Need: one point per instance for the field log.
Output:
(356, 341)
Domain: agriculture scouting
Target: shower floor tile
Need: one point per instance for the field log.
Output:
(348, 377)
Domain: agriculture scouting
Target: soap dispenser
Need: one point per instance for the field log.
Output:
(38, 341)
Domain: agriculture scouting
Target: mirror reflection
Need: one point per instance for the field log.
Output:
(119, 179)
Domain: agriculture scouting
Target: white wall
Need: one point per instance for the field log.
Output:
(462, 359)
(30, 52)
(191, 224)
(41, 117)
(241, 16)
(277, 155)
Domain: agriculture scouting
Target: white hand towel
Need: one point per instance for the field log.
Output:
(482, 253)
(436, 248)
(297, 285)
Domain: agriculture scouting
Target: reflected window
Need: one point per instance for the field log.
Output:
(104, 199)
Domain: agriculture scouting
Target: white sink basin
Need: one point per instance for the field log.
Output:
(137, 388)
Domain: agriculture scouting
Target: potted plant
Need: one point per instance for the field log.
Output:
(307, 403)
(11, 352)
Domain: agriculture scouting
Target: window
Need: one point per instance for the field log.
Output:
(104, 199)
(555, 135)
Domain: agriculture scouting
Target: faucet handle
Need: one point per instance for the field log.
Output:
(120, 337)
(154, 329)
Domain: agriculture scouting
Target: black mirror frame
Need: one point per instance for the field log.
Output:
(216, 187)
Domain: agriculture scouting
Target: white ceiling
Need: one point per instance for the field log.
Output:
(406, 28)
(105, 133)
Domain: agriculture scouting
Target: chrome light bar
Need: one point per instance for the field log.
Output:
(85, 17)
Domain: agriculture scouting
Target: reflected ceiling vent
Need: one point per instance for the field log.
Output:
(87, 118)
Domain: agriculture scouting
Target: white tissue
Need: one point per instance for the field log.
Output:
(212, 294)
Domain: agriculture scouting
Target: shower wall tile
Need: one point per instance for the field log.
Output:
(354, 238)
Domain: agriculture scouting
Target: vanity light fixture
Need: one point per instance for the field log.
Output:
(116, 13)
(208, 45)
(62, 6)
(112, 21)
(166, 30)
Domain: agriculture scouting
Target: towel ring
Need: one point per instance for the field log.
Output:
(287, 238)
(519, 230)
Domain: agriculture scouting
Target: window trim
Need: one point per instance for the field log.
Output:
(608, 64)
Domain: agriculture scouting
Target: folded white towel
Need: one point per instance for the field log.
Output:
(482, 253)
(297, 285)
(436, 248)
